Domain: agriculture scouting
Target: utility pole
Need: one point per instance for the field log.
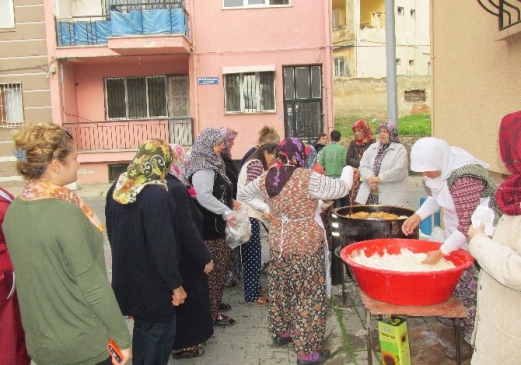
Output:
(390, 55)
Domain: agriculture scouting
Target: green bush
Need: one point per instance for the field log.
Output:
(412, 125)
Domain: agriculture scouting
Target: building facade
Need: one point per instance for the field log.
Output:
(25, 95)
(359, 38)
(476, 57)
(126, 71)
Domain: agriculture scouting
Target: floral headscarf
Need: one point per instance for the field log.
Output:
(230, 135)
(149, 167)
(392, 129)
(508, 195)
(177, 168)
(202, 155)
(291, 154)
(367, 133)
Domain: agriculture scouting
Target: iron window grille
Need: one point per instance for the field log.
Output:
(507, 11)
(11, 105)
(252, 92)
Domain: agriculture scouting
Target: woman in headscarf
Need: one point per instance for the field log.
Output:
(458, 183)
(193, 319)
(383, 169)
(261, 160)
(55, 240)
(363, 138)
(234, 268)
(497, 333)
(298, 278)
(207, 173)
(143, 223)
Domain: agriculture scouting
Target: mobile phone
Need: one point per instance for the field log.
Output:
(114, 351)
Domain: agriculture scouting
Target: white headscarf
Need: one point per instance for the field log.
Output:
(434, 154)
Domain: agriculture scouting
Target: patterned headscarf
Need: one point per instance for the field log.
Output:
(177, 168)
(367, 133)
(312, 156)
(291, 154)
(149, 167)
(392, 129)
(508, 195)
(230, 136)
(202, 155)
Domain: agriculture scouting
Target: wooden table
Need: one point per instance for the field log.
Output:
(452, 308)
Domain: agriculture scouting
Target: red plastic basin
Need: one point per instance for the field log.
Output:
(405, 288)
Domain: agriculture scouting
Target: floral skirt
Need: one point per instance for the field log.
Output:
(297, 299)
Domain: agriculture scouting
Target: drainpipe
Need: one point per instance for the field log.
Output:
(330, 122)
(193, 74)
(390, 53)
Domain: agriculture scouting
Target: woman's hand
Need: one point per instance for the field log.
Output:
(356, 174)
(410, 224)
(127, 355)
(472, 232)
(236, 205)
(433, 257)
(178, 296)
(208, 267)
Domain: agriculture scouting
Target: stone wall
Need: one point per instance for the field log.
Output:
(368, 97)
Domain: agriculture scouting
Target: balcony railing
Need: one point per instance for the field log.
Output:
(127, 135)
(133, 19)
(507, 11)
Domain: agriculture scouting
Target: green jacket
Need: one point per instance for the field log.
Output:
(69, 311)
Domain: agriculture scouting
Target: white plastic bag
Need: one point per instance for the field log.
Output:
(240, 231)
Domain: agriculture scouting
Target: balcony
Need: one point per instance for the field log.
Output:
(127, 135)
(507, 11)
(129, 29)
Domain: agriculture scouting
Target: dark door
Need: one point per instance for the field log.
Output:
(303, 116)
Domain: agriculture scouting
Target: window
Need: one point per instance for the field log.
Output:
(6, 14)
(411, 62)
(136, 97)
(401, 11)
(414, 95)
(339, 66)
(413, 13)
(11, 106)
(252, 92)
(398, 62)
(253, 3)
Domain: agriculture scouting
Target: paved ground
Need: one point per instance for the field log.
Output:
(248, 342)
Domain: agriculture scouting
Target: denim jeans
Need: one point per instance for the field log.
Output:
(152, 342)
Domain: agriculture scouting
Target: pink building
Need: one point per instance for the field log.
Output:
(123, 71)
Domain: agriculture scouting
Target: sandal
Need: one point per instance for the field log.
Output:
(263, 290)
(223, 320)
(225, 307)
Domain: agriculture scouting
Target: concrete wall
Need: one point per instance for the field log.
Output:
(274, 36)
(476, 75)
(23, 59)
(368, 97)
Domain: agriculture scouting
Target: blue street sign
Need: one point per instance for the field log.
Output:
(207, 81)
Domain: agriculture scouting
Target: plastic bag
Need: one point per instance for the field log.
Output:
(239, 232)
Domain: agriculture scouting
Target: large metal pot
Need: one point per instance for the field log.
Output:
(354, 229)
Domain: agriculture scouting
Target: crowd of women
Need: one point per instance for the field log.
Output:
(166, 218)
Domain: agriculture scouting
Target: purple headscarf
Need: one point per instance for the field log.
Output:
(392, 129)
(230, 135)
(291, 154)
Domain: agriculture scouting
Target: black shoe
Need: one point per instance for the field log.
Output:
(224, 307)
(281, 341)
(322, 357)
(223, 320)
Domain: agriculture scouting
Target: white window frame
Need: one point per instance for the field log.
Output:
(339, 66)
(7, 14)
(127, 117)
(243, 76)
(11, 105)
(259, 4)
